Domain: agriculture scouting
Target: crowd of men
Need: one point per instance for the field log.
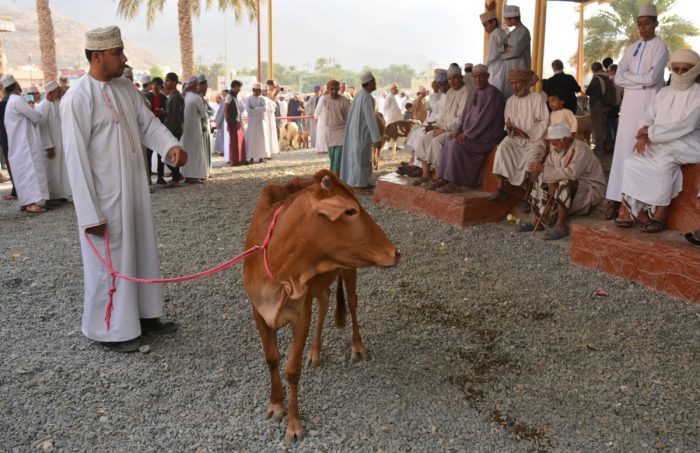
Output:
(99, 141)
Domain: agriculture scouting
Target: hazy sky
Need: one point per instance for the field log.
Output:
(354, 33)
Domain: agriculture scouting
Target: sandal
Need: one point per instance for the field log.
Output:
(438, 183)
(527, 227)
(420, 180)
(624, 223)
(693, 239)
(414, 172)
(652, 226)
(612, 210)
(552, 234)
(449, 188)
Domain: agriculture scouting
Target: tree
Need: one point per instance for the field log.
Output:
(609, 32)
(186, 9)
(47, 40)
(156, 71)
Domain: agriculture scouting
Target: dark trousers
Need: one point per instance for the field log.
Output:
(174, 171)
(9, 170)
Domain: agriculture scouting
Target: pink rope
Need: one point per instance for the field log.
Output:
(223, 266)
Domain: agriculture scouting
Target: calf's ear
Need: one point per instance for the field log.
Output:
(332, 207)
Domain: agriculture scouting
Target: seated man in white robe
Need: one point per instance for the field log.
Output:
(570, 182)
(429, 149)
(527, 118)
(435, 103)
(668, 138)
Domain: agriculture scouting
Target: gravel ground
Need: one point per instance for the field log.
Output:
(480, 340)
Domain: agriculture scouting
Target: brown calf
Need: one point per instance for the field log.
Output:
(321, 228)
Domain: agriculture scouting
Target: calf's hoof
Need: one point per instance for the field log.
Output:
(275, 412)
(294, 431)
(358, 356)
(313, 362)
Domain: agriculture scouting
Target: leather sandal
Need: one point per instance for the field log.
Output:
(652, 226)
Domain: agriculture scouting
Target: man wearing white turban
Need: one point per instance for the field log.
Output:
(641, 74)
(572, 175)
(669, 136)
(105, 123)
(195, 170)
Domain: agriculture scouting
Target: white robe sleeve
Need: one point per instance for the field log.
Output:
(668, 132)
(519, 41)
(154, 134)
(76, 126)
(31, 114)
(629, 79)
(44, 128)
(540, 120)
(495, 47)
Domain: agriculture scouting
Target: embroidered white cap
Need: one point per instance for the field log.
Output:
(103, 38)
(647, 10)
(52, 85)
(511, 11)
(366, 77)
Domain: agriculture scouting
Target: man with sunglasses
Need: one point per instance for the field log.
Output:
(669, 137)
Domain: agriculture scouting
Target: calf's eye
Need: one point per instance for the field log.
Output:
(350, 212)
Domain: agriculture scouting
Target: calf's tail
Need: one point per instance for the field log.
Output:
(340, 305)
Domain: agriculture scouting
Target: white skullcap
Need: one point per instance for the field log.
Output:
(52, 85)
(257, 86)
(511, 11)
(366, 77)
(7, 80)
(647, 10)
(32, 89)
(480, 68)
(441, 75)
(487, 16)
(394, 85)
(454, 70)
(103, 38)
(421, 89)
(145, 80)
(558, 131)
(202, 78)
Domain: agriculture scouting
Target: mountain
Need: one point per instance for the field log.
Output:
(22, 45)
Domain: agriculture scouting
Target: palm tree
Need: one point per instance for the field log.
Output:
(6, 25)
(609, 32)
(47, 40)
(185, 10)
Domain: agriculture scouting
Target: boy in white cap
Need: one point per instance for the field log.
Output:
(361, 132)
(26, 154)
(570, 182)
(495, 50)
(52, 140)
(668, 138)
(105, 123)
(641, 73)
(517, 51)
